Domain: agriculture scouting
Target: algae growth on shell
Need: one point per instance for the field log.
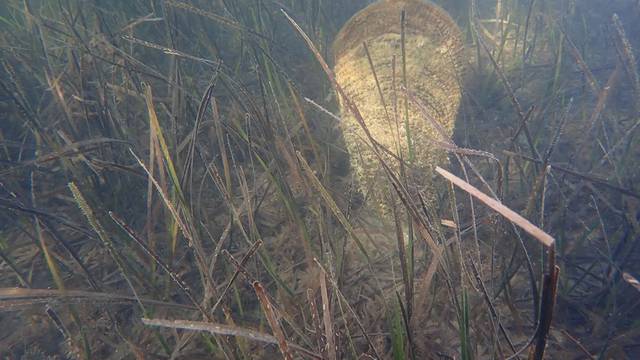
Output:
(412, 45)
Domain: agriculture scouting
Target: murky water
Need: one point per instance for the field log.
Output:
(193, 164)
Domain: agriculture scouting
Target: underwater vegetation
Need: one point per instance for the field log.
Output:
(179, 179)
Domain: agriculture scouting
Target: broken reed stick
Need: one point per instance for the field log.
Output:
(547, 240)
(549, 293)
(273, 320)
(226, 330)
(551, 276)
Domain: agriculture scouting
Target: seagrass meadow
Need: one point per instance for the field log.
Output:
(265, 179)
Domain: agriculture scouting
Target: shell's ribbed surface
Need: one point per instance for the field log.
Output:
(433, 71)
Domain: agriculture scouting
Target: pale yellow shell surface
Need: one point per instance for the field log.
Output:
(433, 72)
